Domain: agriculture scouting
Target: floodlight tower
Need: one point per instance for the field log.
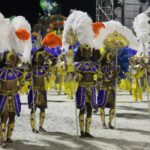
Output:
(104, 10)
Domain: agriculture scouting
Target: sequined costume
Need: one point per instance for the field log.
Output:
(86, 91)
(107, 93)
(39, 93)
(116, 42)
(70, 74)
(54, 57)
(10, 104)
(138, 79)
(40, 69)
(136, 86)
(87, 72)
(79, 29)
(10, 98)
(60, 74)
(37, 96)
(15, 42)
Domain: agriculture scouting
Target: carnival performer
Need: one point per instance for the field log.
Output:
(9, 97)
(11, 75)
(69, 79)
(137, 75)
(53, 43)
(141, 26)
(37, 97)
(115, 64)
(52, 80)
(86, 91)
(78, 29)
(106, 94)
(36, 44)
(60, 74)
(126, 56)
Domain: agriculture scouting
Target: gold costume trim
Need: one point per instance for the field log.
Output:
(10, 130)
(12, 70)
(87, 84)
(38, 88)
(10, 92)
(107, 88)
(3, 132)
(116, 40)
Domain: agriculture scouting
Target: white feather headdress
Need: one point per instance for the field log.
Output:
(19, 45)
(5, 30)
(78, 27)
(115, 26)
(9, 40)
(141, 26)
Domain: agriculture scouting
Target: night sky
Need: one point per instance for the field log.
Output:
(27, 8)
(84, 5)
(31, 8)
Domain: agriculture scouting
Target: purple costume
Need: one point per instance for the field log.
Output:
(38, 94)
(9, 74)
(87, 88)
(106, 94)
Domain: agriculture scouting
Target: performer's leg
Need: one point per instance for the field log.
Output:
(111, 116)
(139, 93)
(134, 95)
(55, 85)
(42, 119)
(102, 115)
(81, 121)
(65, 88)
(71, 89)
(50, 83)
(76, 85)
(11, 125)
(134, 90)
(88, 120)
(32, 121)
(60, 86)
(4, 118)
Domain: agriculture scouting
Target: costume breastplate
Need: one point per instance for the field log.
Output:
(108, 73)
(39, 71)
(10, 73)
(87, 67)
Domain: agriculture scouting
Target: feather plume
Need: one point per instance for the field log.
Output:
(78, 27)
(112, 26)
(22, 45)
(5, 30)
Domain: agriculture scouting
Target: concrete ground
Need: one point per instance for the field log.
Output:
(132, 127)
